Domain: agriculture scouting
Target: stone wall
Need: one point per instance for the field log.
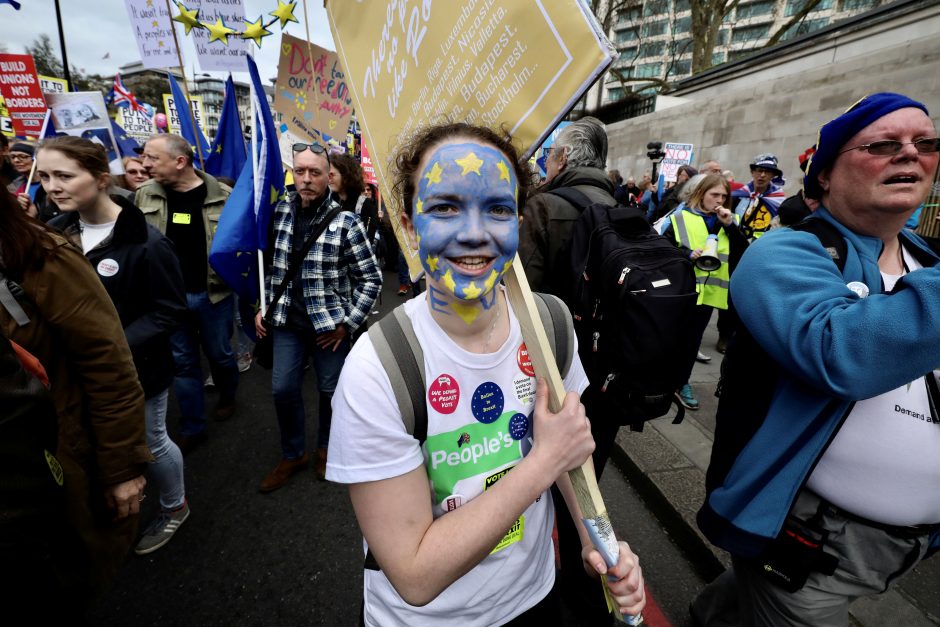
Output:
(782, 111)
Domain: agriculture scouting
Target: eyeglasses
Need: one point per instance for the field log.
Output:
(889, 147)
(20, 156)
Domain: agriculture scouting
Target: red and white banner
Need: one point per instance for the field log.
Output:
(21, 90)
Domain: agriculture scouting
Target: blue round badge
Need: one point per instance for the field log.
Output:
(487, 403)
(518, 426)
(525, 445)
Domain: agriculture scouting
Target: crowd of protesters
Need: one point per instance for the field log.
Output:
(813, 486)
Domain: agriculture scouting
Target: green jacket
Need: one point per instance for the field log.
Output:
(151, 198)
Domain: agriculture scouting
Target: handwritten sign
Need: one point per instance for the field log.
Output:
(522, 63)
(173, 117)
(19, 86)
(311, 94)
(676, 155)
(151, 25)
(136, 124)
(216, 55)
(50, 85)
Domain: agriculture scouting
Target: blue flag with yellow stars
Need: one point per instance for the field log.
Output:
(246, 218)
(228, 150)
(188, 130)
(126, 145)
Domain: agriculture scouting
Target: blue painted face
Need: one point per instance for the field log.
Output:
(466, 218)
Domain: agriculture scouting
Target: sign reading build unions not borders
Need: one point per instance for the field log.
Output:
(522, 63)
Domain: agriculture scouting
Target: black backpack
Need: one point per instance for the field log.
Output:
(633, 299)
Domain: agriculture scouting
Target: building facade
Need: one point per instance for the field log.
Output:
(654, 37)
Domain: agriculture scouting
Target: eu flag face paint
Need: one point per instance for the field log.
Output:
(466, 219)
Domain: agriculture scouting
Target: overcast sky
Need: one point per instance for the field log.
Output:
(94, 28)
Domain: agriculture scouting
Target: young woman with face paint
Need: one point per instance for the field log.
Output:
(479, 551)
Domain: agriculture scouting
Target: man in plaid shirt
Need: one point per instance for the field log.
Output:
(329, 297)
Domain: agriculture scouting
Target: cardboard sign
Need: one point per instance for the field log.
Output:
(217, 55)
(676, 155)
(19, 86)
(50, 85)
(136, 124)
(84, 114)
(150, 22)
(312, 94)
(522, 63)
(172, 115)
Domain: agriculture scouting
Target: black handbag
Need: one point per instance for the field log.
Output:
(263, 353)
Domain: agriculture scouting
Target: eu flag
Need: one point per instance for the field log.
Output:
(186, 122)
(246, 218)
(126, 144)
(228, 150)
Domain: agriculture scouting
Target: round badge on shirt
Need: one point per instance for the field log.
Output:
(108, 267)
(487, 402)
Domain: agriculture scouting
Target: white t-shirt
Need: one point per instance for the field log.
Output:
(883, 463)
(479, 426)
(94, 234)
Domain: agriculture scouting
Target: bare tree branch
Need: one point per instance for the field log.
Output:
(808, 5)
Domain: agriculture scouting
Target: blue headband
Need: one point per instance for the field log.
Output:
(834, 134)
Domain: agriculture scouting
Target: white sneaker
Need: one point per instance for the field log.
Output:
(244, 362)
(702, 358)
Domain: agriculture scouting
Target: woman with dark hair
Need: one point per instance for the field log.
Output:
(346, 182)
(76, 334)
(462, 187)
(705, 220)
(139, 269)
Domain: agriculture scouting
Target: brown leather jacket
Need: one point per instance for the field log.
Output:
(76, 334)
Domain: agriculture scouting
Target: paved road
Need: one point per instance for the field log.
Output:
(294, 557)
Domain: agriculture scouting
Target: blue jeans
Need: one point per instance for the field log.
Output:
(166, 470)
(209, 326)
(292, 349)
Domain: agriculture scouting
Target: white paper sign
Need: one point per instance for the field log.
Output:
(150, 23)
(676, 155)
(135, 124)
(217, 55)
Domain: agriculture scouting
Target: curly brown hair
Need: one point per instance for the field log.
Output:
(351, 172)
(411, 151)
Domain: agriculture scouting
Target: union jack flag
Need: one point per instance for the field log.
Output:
(121, 96)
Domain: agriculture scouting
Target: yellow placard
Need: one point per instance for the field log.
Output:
(182, 218)
(6, 122)
(172, 115)
(52, 85)
(522, 63)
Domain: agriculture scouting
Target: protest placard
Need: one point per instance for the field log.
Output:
(51, 85)
(225, 55)
(172, 116)
(6, 124)
(484, 61)
(19, 86)
(84, 114)
(368, 171)
(676, 155)
(152, 28)
(311, 94)
(136, 124)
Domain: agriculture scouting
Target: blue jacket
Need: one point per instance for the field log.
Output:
(833, 348)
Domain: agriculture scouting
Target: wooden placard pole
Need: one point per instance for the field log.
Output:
(584, 481)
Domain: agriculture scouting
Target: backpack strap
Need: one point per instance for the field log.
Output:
(830, 237)
(10, 293)
(555, 315)
(398, 349)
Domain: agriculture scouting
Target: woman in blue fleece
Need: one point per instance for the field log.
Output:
(824, 482)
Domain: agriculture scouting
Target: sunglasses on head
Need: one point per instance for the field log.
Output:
(890, 147)
(314, 148)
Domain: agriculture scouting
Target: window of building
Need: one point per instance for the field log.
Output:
(624, 36)
(804, 27)
(723, 36)
(681, 46)
(655, 7)
(750, 33)
(718, 58)
(651, 29)
(683, 24)
(682, 67)
(682, 5)
(627, 55)
(851, 5)
(762, 7)
(795, 6)
(649, 70)
(653, 49)
(629, 14)
(614, 94)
